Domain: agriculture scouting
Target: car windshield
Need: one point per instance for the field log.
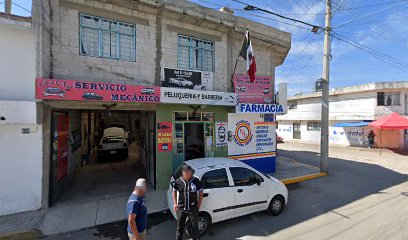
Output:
(112, 140)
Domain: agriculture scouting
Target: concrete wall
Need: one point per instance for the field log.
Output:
(20, 168)
(17, 60)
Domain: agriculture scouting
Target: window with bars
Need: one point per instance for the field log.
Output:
(195, 54)
(101, 37)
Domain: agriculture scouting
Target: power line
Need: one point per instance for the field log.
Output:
(379, 55)
(272, 19)
(394, 36)
(249, 7)
(368, 6)
(370, 14)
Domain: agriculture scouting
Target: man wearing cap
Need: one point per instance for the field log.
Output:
(137, 212)
(187, 196)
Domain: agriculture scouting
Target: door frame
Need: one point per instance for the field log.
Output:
(300, 132)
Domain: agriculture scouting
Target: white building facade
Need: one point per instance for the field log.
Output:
(351, 109)
(20, 135)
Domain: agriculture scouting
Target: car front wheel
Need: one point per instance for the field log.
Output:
(204, 223)
(276, 205)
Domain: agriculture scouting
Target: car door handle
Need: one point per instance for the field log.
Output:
(205, 195)
(240, 190)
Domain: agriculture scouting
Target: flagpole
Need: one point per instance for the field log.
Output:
(236, 61)
(233, 72)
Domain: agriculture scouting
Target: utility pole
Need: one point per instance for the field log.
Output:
(7, 6)
(324, 140)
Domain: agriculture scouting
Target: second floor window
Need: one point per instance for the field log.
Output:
(100, 37)
(195, 54)
(314, 126)
(388, 99)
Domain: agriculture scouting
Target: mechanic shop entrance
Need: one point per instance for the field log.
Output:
(98, 150)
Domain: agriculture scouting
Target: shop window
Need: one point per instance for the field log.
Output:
(101, 37)
(215, 179)
(208, 117)
(180, 116)
(194, 117)
(179, 130)
(314, 126)
(195, 54)
(208, 129)
(388, 99)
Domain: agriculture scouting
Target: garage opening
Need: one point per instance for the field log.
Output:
(99, 154)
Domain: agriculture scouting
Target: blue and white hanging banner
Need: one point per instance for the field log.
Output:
(260, 108)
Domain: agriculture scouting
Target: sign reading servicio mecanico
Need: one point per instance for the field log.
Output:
(55, 89)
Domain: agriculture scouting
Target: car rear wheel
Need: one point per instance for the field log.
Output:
(276, 205)
(204, 223)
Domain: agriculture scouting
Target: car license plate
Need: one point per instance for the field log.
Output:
(113, 152)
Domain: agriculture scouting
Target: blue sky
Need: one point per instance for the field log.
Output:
(378, 26)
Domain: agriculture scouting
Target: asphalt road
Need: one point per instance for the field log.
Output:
(360, 199)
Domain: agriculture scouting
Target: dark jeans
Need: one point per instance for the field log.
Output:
(181, 223)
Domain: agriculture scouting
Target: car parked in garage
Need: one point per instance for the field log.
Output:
(113, 146)
(232, 189)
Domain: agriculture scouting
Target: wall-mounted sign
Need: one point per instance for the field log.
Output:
(164, 136)
(260, 108)
(93, 91)
(221, 134)
(258, 91)
(252, 139)
(189, 79)
(187, 96)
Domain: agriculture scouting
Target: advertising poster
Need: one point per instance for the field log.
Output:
(221, 134)
(60, 143)
(253, 140)
(258, 91)
(187, 96)
(188, 79)
(55, 89)
(164, 136)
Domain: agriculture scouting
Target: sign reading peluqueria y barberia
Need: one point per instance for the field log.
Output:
(75, 90)
(188, 96)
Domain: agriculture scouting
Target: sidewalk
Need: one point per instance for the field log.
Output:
(68, 217)
(392, 159)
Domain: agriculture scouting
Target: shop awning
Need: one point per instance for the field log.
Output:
(351, 124)
(394, 121)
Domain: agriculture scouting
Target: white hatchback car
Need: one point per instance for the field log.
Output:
(232, 189)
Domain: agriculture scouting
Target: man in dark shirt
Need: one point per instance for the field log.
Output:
(186, 201)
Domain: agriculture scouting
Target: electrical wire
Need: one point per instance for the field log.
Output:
(251, 7)
(370, 14)
(402, 66)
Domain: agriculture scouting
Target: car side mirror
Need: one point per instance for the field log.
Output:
(258, 181)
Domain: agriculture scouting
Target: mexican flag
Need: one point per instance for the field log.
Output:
(248, 54)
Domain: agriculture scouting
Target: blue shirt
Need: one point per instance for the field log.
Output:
(137, 205)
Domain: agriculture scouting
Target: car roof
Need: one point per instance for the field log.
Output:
(214, 162)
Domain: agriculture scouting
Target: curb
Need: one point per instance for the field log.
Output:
(22, 235)
(302, 178)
